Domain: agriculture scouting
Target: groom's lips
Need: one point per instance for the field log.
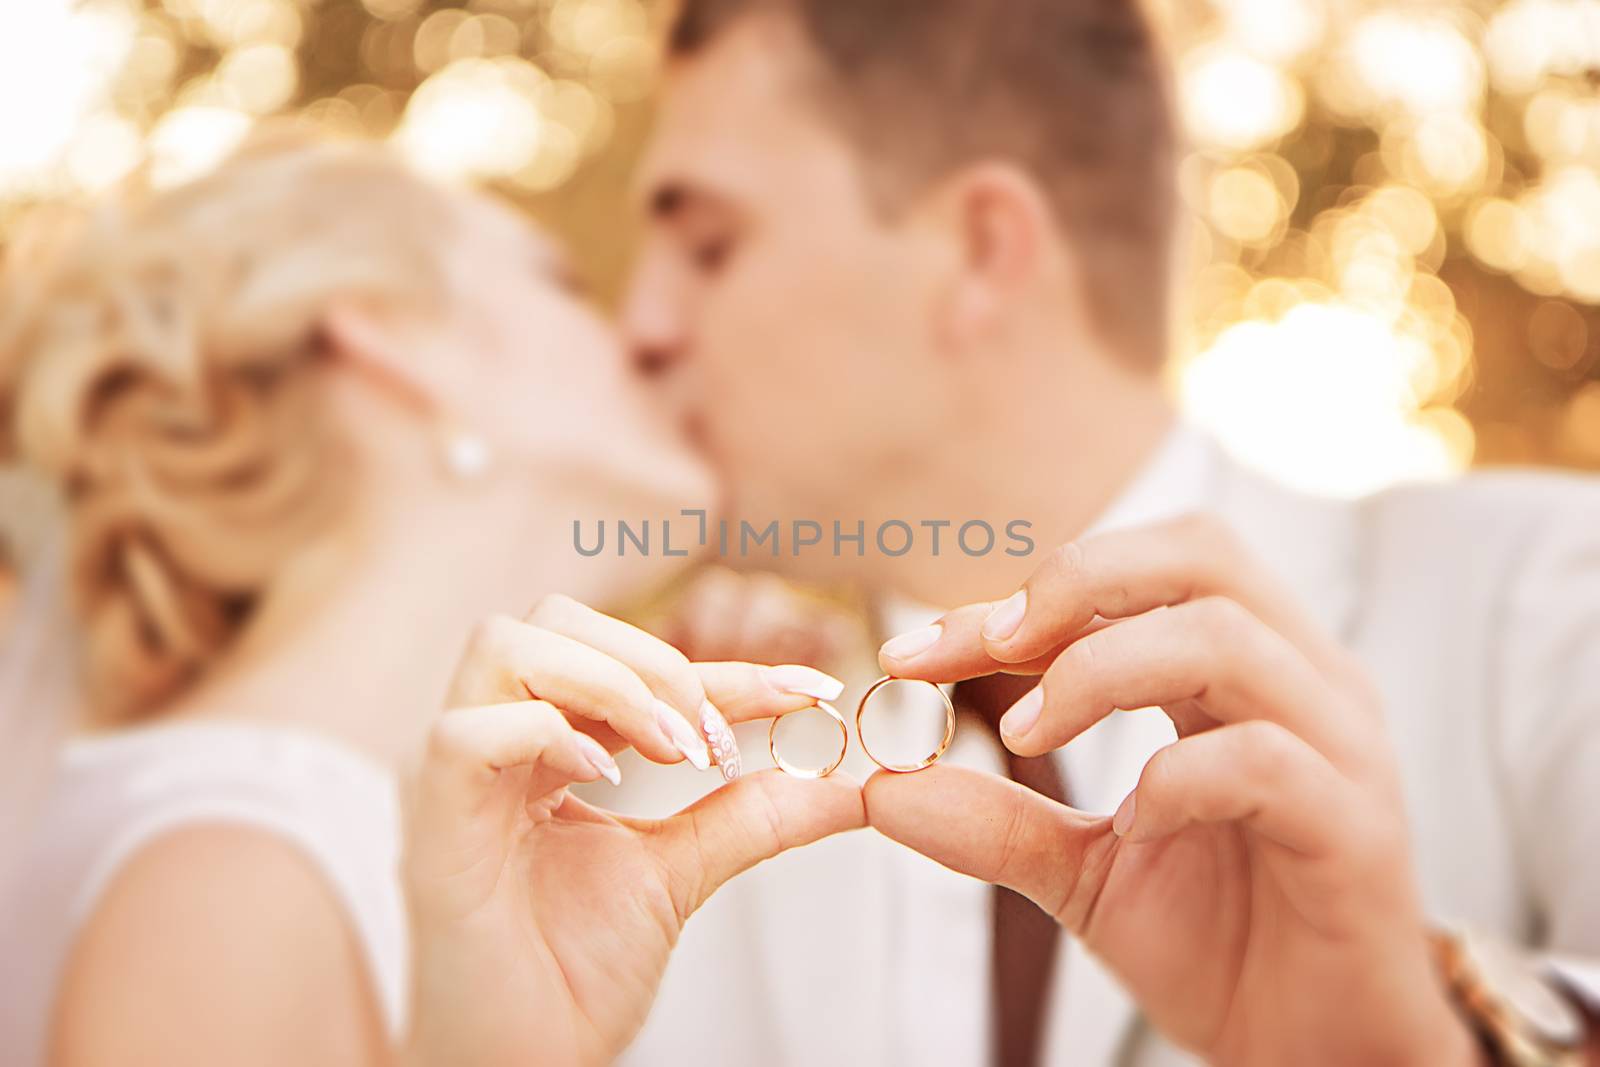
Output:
(694, 428)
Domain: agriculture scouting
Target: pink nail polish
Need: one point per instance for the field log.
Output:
(719, 736)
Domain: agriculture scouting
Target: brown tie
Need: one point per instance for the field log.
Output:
(1025, 937)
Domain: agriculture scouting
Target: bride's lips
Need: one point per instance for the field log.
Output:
(697, 433)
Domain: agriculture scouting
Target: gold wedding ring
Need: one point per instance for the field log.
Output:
(802, 772)
(944, 743)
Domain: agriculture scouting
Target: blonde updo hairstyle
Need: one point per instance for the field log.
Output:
(159, 359)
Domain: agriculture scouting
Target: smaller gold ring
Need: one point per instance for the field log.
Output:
(944, 743)
(801, 772)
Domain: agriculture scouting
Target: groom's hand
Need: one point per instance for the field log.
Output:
(1255, 891)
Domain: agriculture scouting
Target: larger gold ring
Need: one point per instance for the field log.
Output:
(802, 772)
(944, 743)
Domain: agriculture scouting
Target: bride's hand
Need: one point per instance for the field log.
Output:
(543, 924)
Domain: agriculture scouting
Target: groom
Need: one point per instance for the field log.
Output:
(909, 260)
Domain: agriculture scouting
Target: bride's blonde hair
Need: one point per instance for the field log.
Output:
(159, 359)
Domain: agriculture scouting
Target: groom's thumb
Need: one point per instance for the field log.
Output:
(748, 821)
(997, 831)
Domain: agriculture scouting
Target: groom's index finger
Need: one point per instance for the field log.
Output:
(1109, 576)
(1112, 576)
(1129, 572)
(951, 650)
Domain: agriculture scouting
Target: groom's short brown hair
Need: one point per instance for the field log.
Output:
(1073, 90)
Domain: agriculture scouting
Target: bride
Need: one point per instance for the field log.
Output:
(315, 420)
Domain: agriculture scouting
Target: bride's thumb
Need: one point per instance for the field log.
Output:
(746, 822)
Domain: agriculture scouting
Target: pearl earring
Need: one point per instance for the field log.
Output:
(467, 456)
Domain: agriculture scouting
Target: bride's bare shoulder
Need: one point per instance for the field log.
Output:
(217, 943)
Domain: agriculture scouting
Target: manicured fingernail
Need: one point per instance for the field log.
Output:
(600, 759)
(682, 736)
(724, 749)
(913, 644)
(803, 681)
(1122, 821)
(1006, 617)
(1023, 714)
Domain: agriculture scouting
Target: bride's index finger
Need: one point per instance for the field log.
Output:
(665, 670)
(509, 660)
(749, 691)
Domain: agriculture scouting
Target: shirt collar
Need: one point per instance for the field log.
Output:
(1175, 480)
(1178, 478)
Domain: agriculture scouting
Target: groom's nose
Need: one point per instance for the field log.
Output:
(654, 316)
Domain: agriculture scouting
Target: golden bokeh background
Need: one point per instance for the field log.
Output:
(1393, 273)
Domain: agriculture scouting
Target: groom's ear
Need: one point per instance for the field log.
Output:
(1006, 247)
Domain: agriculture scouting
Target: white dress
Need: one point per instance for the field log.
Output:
(115, 794)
